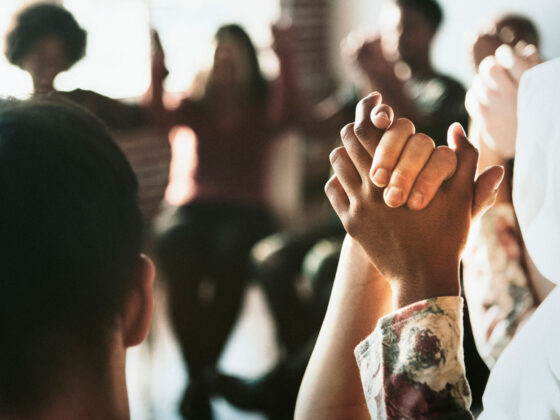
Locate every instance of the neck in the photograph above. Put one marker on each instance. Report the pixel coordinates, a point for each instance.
(42, 88)
(84, 397)
(422, 69)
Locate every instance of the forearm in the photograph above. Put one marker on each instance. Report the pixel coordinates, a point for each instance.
(331, 387)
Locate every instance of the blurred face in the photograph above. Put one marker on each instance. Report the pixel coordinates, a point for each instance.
(406, 34)
(44, 61)
(231, 63)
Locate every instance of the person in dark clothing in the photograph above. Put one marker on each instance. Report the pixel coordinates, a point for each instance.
(76, 289)
(216, 204)
(45, 40)
(397, 64)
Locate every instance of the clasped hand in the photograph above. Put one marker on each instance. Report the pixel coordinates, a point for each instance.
(408, 204)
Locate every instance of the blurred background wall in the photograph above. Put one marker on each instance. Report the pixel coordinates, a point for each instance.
(118, 44)
(461, 17)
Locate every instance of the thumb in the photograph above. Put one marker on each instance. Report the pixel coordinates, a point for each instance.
(467, 156)
(486, 189)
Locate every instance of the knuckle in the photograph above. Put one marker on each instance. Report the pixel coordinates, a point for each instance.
(335, 155)
(427, 185)
(487, 63)
(350, 223)
(369, 101)
(384, 157)
(401, 178)
(422, 141)
(406, 125)
(362, 129)
(347, 130)
(329, 187)
(446, 154)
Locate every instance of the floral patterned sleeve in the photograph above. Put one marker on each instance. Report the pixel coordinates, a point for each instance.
(412, 365)
(495, 282)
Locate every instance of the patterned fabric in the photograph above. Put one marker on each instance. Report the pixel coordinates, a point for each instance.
(412, 365)
(496, 285)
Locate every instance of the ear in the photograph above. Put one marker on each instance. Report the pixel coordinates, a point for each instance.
(139, 309)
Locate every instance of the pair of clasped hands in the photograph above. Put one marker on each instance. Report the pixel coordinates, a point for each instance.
(406, 203)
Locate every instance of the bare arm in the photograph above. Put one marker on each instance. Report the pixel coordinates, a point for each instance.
(331, 387)
(417, 252)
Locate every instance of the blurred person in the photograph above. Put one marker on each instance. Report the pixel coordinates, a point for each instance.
(216, 207)
(502, 285)
(396, 62)
(76, 289)
(45, 40)
(508, 29)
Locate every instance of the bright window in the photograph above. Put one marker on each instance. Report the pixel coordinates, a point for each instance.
(117, 57)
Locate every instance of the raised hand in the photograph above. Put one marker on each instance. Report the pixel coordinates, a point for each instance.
(416, 251)
(283, 37)
(492, 99)
(158, 68)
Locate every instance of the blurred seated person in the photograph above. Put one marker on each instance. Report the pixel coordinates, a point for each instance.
(396, 62)
(45, 40)
(216, 204)
(502, 285)
(76, 289)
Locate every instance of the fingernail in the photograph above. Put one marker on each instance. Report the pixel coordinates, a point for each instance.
(505, 56)
(383, 115)
(460, 130)
(415, 200)
(394, 197)
(380, 177)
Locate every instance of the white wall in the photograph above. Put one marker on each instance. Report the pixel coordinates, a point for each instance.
(118, 50)
(450, 51)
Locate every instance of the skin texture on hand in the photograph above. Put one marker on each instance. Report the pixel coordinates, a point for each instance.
(418, 252)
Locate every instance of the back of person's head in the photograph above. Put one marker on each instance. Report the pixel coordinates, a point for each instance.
(70, 237)
(39, 21)
(429, 9)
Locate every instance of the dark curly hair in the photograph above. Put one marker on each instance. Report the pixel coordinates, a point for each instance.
(38, 21)
(429, 8)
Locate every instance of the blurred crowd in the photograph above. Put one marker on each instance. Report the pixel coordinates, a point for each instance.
(424, 214)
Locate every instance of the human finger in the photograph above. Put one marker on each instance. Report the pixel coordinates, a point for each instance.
(389, 149)
(467, 158)
(382, 116)
(337, 196)
(494, 75)
(474, 108)
(528, 51)
(480, 91)
(359, 156)
(515, 65)
(414, 157)
(368, 134)
(486, 189)
(440, 167)
(344, 170)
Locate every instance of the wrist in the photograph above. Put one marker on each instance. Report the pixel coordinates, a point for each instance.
(421, 287)
(356, 263)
